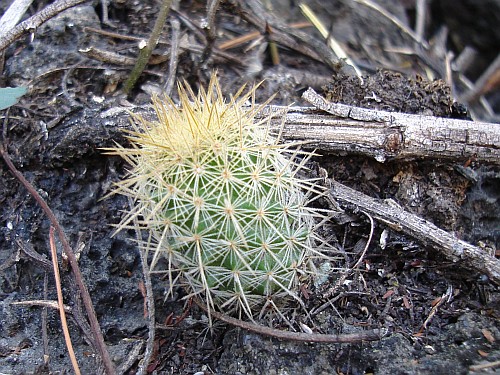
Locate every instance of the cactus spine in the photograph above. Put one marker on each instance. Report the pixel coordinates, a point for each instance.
(220, 198)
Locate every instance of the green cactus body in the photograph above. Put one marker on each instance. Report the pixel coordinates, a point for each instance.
(220, 198)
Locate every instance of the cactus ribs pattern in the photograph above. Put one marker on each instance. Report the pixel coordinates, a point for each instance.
(220, 199)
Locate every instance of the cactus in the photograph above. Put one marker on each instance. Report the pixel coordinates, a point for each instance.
(220, 198)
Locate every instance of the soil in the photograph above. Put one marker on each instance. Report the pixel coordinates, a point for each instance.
(441, 318)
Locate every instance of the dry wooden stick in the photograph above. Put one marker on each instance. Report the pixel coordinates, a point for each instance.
(174, 56)
(254, 12)
(149, 297)
(372, 335)
(488, 81)
(32, 23)
(394, 20)
(386, 135)
(458, 251)
(147, 50)
(60, 303)
(13, 14)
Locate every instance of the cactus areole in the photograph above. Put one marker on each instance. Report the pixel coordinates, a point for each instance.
(220, 198)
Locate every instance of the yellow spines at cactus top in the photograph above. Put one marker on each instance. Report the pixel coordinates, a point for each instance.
(220, 199)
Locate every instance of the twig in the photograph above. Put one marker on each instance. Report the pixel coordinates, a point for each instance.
(458, 251)
(145, 53)
(196, 48)
(28, 250)
(174, 56)
(273, 48)
(210, 31)
(372, 335)
(32, 23)
(45, 337)
(305, 43)
(390, 135)
(421, 10)
(13, 15)
(485, 366)
(115, 35)
(42, 302)
(345, 130)
(150, 301)
(107, 56)
(132, 357)
(87, 301)
(362, 256)
(332, 43)
(394, 20)
(62, 313)
(235, 42)
(489, 80)
(444, 298)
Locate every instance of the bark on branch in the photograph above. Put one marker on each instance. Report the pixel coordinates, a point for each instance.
(387, 135)
(35, 21)
(457, 251)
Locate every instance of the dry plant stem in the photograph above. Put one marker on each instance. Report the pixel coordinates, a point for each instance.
(210, 30)
(487, 82)
(217, 53)
(149, 300)
(13, 14)
(238, 41)
(444, 299)
(332, 43)
(389, 135)
(45, 337)
(30, 252)
(145, 53)
(368, 242)
(457, 251)
(87, 301)
(31, 24)
(372, 335)
(254, 12)
(132, 357)
(485, 366)
(112, 34)
(174, 56)
(43, 303)
(393, 19)
(107, 56)
(62, 313)
(273, 48)
(421, 10)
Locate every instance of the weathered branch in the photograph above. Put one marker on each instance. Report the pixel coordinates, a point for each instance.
(371, 335)
(32, 23)
(452, 248)
(388, 135)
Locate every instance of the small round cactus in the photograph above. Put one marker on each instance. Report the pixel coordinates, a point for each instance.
(220, 198)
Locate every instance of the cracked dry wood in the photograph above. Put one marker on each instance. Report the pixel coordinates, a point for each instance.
(455, 250)
(388, 135)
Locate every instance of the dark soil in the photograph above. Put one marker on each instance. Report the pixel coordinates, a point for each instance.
(441, 318)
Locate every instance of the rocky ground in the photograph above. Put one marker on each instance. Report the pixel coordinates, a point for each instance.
(441, 317)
